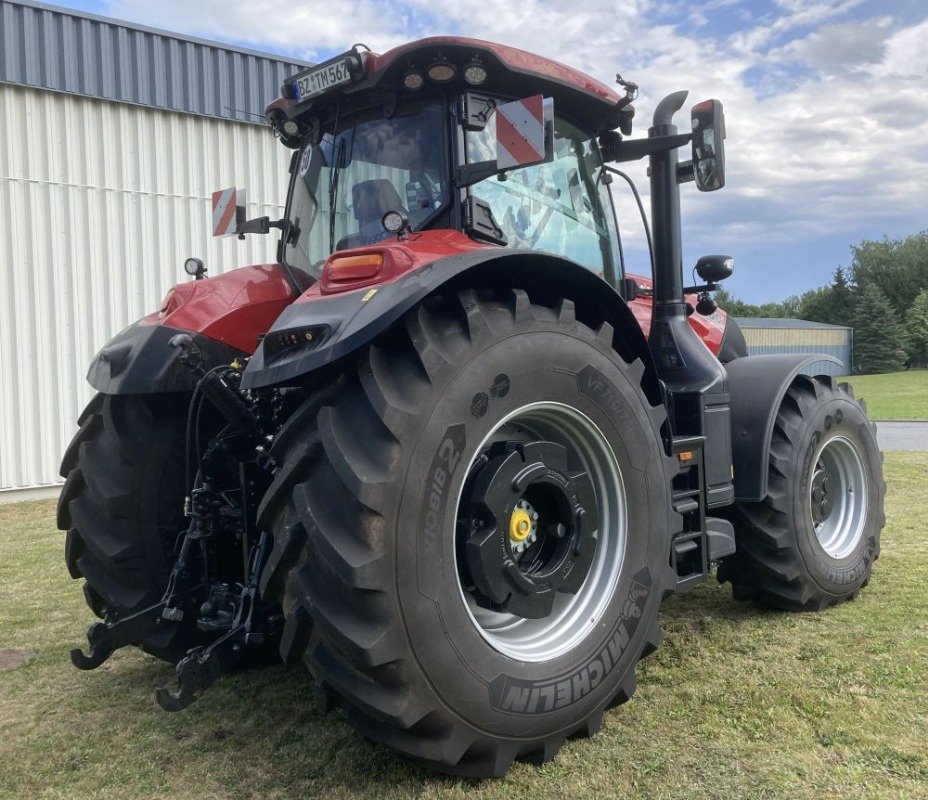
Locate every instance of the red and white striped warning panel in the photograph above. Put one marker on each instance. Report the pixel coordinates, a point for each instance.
(225, 202)
(520, 132)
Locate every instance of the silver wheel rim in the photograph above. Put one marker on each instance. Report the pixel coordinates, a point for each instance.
(536, 640)
(838, 497)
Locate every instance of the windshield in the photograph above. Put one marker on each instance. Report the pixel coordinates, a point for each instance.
(559, 206)
(368, 165)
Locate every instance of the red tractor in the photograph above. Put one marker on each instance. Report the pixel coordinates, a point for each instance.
(444, 451)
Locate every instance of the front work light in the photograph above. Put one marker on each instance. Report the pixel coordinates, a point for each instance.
(475, 73)
(194, 268)
(413, 80)
(441, 72)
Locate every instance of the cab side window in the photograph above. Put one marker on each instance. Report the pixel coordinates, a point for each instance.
(559, 207)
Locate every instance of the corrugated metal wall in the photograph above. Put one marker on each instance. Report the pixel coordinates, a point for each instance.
(100, 202)
(833, 341)
(52, 48)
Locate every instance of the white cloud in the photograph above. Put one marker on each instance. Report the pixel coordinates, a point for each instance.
(826, 100)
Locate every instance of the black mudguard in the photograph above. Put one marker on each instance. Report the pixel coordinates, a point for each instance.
(342, 323)
(139, 360)
(733, 343)
(758, 385)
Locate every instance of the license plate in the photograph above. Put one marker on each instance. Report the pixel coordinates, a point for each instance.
(317, 81)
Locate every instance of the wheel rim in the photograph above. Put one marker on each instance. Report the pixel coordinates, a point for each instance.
(573, 615)
(838, 497)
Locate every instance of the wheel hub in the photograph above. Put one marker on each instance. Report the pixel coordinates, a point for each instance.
(523, 528)
(823, 500)
(533, 527)
(838, 497)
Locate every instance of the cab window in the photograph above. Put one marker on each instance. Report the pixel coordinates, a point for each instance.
(560, 207)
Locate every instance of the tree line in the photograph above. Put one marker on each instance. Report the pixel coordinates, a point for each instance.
(883, 296)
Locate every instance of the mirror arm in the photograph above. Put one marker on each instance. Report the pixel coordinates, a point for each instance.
(705, 287)
(685, 172)
(634, 149)
(262, 225)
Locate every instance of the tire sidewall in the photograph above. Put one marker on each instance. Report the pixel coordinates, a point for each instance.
(541, 362)
(838, 417)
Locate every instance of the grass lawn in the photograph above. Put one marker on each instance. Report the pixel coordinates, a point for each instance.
(896, 395)
(738, 703)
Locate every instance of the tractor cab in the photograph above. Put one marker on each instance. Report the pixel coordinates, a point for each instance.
(447, 134)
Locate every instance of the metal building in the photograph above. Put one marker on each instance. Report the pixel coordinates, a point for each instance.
(112, 138)
(766, 335)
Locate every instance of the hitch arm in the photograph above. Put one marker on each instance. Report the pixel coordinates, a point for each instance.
(203, 666)
(108, 636)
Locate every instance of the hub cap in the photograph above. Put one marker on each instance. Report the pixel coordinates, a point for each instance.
(541, 531)
(838, 497)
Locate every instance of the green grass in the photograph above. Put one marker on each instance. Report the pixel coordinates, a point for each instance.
(896, 395)
(738, 703)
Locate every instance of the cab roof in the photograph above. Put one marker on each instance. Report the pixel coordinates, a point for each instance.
(510, 72)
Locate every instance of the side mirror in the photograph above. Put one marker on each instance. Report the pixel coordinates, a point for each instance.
(524, 136)
(714, 269)
(228, 211)
(631, 289)
(708, 145)
(525, 132)
(229, 218)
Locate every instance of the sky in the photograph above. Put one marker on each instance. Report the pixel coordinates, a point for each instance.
(826, 102)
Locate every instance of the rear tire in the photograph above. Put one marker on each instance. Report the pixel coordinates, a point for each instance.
(364, 514)
(811, 542)
(122, 507)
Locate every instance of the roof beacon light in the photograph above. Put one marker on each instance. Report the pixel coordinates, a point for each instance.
(441, 71)
(475, 73)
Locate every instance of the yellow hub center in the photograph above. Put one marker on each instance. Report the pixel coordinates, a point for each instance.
(520, 525)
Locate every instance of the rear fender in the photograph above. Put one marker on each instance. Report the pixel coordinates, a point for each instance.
(338, 325)
(225, 316)
(758, 385)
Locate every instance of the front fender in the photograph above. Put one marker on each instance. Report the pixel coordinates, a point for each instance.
(338, 325)
(225, 316)
(139, 360)
(758, 385)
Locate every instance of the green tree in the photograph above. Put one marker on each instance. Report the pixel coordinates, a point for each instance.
(898, 266)
(738, 308)
(916, 328)
(832, 304)
(878, 334)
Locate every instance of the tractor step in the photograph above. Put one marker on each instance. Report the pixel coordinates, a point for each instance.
(703, 539)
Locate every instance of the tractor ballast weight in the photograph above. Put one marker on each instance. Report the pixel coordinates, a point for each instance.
(431, 453)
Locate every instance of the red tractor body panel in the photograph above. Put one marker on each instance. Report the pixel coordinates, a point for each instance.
(236, 308)
(239, 307)
(420, 249)
(710, 329)
(399, 258)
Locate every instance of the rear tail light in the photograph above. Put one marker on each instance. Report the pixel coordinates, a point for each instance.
(353, 268)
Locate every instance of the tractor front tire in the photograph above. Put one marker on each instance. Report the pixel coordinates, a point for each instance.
(122, 507)
(371, 532)
(811, 542)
